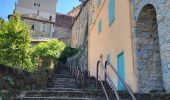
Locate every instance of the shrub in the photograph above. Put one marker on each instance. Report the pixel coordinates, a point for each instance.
(51, 49)
(15, 43)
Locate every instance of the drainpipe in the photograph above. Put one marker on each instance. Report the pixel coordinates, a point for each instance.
(133, 56)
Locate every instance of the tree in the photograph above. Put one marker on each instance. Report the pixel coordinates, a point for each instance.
(15, 43)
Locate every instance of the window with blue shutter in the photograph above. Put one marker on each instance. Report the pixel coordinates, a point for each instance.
(108, 58)
(98, 3)
(111, 11)
(100, 26)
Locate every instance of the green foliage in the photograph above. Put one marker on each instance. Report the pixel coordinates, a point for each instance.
(68, 52)
(15, 43)
(51, 49)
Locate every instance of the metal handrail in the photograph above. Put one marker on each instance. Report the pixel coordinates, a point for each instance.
(120, 78)
(103, 88)
(108, 76)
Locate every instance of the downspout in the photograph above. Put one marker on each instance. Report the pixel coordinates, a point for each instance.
(132, 41)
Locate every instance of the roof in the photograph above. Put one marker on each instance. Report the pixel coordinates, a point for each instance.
(74, 8)
(35, 18)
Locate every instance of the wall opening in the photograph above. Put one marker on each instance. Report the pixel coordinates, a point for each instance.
(147, 49)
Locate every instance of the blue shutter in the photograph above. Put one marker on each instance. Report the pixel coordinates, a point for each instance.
(99, 26)
(98, 3)
(108, 58)
(111, 11)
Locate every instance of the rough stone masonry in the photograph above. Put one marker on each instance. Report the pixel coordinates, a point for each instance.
(151, 39)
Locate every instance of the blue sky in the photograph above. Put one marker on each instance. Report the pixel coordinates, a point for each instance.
(63, 6)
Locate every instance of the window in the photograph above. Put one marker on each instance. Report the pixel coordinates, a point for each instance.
(32, 27)
(98, 3)
(37, 4)
(50, 18)
(43, 27)
(108, 58)
(111, 11)
(38, 13)
(34, 4)
(100, 26)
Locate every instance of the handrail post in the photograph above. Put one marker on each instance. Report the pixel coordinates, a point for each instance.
(106, 69)
(97, 76)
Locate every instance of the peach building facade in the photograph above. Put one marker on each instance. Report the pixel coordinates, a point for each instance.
(109, 39)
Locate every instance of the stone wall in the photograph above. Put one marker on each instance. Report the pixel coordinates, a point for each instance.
(62, 28)
(79, 27)
(80, 40)
(150, 23)
(63, 34)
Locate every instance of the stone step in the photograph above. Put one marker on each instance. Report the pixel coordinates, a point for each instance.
(73, 89)
(68, 74)
(60, 98)
(71, 94)
(62, 89)
(61, 85)
(63, 80)
(54, 98)
(58, 86)
(61, 76)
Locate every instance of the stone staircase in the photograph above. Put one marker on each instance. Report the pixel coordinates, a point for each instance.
(63, 86)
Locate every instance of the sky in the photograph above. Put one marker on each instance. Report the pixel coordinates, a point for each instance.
(63, 6)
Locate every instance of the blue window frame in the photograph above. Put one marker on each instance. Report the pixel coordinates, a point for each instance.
(111, 11)
(98, 3)
(100, 26)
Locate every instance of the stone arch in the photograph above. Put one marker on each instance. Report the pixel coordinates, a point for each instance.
(147, 51)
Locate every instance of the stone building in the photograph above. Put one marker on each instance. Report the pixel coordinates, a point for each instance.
(44, 22)
(39, 16)
(151, 36)
(62, 27)
(133, 35)
(75, 11)
(79, 28)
